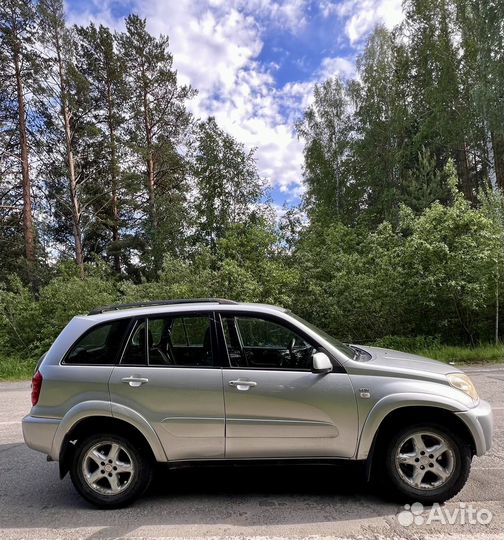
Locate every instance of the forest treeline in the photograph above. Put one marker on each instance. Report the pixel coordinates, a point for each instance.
(111, 190)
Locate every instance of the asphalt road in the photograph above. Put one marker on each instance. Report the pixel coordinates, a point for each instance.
(237, 502)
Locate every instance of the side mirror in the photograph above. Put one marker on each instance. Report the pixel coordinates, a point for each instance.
(321, 363)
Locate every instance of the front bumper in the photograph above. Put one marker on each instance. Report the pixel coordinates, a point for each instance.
(39, 433)
(479, 420)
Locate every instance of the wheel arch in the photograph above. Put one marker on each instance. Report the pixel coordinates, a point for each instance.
(95, 424)
(92, 416)
(404, 408)
(410, 414)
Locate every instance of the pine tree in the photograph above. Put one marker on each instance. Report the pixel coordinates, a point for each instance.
(19, 68)
(482, 68)
(63, 82)
(438, 96)
(382, 126)
(104, 70)
(158, 124)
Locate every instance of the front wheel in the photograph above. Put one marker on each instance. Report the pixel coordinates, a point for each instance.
(427, 463)
(109, 471)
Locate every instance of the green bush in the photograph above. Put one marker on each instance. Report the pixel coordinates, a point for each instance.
(28, 325)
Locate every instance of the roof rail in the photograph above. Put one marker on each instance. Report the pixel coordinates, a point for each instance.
(116, 307)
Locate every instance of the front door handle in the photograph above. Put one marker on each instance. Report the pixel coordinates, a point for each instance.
(242, 385)
(135, 382)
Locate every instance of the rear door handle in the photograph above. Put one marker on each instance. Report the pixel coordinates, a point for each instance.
(242, 385)
(135, 382)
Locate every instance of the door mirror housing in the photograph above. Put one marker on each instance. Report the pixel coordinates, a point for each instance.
(321, 363)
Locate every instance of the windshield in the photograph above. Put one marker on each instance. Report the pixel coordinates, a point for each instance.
(341, 347)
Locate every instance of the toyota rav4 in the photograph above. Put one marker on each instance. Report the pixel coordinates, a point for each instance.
(183, 381)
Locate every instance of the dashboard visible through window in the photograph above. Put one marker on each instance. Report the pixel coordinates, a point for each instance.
(254, 342)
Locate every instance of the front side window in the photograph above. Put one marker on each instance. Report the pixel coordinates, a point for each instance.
(100, 345)
(260, 343)
(171, 341)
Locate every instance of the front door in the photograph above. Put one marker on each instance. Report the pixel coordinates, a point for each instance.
(275, 405)
(168, 374)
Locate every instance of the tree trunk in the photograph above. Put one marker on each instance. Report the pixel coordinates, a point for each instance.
(28, 231)
(72, 178)
(490, 158)
(114, 180)
(464, 173)
(153, 212)
(151, 184)
(74, 194)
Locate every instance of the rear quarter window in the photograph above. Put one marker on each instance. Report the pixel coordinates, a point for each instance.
(100, 345)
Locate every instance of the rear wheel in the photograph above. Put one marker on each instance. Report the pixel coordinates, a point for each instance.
(109, 471)
(427, 463)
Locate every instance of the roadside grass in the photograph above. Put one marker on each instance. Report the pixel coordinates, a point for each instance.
(14, 368)
(481, 354)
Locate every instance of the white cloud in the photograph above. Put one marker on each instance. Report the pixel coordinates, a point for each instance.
(287, 14)
(209, 45)
(337, 66)
(363, 15)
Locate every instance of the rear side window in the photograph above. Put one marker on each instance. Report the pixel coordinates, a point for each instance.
(100, 345)
(178, 341)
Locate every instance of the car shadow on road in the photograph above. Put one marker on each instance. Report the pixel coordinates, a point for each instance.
(261, 479)
(32, 496)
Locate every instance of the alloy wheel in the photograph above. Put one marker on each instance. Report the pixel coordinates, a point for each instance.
(108, 468)
(425, 460)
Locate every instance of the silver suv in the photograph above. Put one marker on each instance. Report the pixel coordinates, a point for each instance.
(214, 380)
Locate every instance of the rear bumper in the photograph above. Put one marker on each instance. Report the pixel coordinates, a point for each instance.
(479, 420)
(39, 433)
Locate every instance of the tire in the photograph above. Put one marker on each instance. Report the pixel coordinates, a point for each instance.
(419, 470)
(110, 471)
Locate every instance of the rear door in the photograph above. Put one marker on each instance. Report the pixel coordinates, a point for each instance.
(275, 406)
(169, 375)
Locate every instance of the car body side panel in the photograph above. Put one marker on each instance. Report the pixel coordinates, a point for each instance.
(290, 414)
(65, 386)
(185, 407)
(379, 390)
(80, 411)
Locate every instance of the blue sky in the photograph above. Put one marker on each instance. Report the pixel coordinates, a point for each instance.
(255, 62)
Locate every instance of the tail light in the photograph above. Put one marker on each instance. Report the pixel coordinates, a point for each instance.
(36, 385)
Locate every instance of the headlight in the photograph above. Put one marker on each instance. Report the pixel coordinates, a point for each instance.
(462, 382)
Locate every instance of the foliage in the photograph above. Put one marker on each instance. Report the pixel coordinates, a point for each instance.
(398, 240)
(479, 354)
(227, 182)
(408, 343)
(30, 325)
(16, 368)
